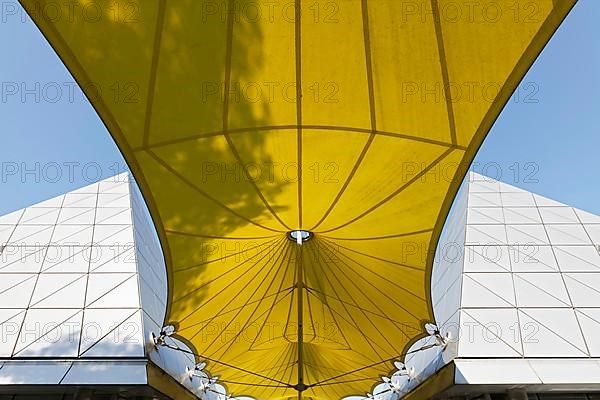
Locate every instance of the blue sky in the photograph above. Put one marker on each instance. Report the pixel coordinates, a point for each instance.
(551, 140)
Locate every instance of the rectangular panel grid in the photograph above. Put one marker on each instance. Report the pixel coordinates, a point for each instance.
(69, 279)
(553, 263)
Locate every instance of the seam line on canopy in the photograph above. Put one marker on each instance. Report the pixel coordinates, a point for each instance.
(298, 51)
(345, 340)
(225, 121)
(312, 319)
(329, 368)
(220, 276)
(356, 325)
(202, 192)
(282, 354)
(288, 292)
(376, 274)
(160, 20)
(230, 311)
(369, 63)
(253, 182)
(383, 237)
(205, 302)
(374, 379)
(373, 257)
(372, 113)
(397, 192)
(426, 347)
(339, 328)
(351, 323)
(313, 291)
(218, 313)
(227, 78)
(291, 304)
(344, 304)
(177, 348)
(291, 369)
(295, 127)
(289, 360)
(344, 288)
(199, 235)
(437, 23)
(277, 265)
(254, 384)
(270, 309)
(224, 257)
(400, 328)
(375, 287)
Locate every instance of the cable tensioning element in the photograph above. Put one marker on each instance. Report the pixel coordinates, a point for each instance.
(226, 364)
(429, 346)
(325, 382)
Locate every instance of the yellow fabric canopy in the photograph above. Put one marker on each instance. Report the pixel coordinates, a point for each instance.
(243, 120)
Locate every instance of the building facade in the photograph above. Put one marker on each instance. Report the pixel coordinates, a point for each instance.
(516, 292)
(83, 288)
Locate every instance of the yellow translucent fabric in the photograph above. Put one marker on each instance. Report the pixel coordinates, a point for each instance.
(243, 120)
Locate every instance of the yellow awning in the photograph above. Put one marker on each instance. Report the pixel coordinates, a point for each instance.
(243, 120)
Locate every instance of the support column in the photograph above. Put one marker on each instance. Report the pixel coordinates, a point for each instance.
(300, 387)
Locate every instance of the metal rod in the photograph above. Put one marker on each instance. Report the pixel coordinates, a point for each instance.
(300, 286)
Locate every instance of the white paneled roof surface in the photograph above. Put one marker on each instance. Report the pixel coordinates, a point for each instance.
(82, 287)
(516, 279)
